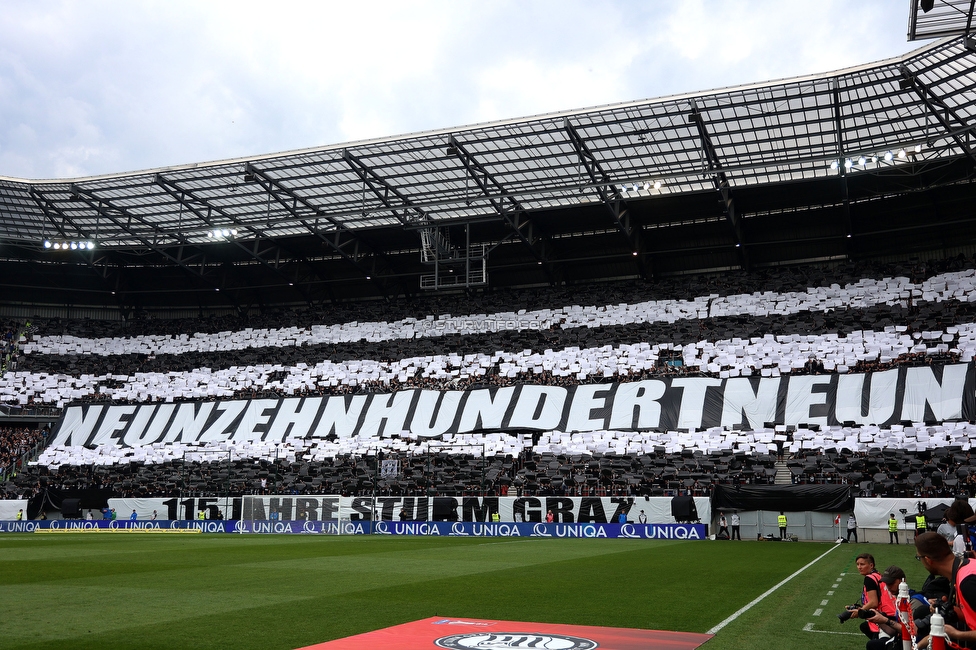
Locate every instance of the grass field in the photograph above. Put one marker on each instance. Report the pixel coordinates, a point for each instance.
(224, 591)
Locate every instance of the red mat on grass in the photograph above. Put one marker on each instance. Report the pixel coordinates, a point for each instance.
(473, 633)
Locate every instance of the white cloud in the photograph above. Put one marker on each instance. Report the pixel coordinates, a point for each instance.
(103, 86)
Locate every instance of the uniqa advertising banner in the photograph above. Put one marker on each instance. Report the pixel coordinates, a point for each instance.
(937, 392)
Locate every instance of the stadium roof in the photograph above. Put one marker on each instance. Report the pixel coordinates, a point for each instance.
(346, 213)
(940, 18)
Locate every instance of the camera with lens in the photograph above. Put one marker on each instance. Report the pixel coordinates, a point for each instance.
(947, 612)
(861, 613)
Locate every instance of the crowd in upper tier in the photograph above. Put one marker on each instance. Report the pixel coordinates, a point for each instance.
(805, 320)
(802, 321)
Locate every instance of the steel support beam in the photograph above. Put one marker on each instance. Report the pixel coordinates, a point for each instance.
(940, 111)
(515, 216)
(99, 205)
(841, 160)
(48, 207)
(720, 181)
(283, 194)
(179, 194)
(609, 195)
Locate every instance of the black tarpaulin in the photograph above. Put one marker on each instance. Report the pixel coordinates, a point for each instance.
(51, 498)
(820, 498)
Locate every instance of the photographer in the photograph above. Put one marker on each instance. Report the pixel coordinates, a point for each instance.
(936, 556)
(889, 624)
(874, 598)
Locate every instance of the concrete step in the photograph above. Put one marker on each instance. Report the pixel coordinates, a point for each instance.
(783, 476)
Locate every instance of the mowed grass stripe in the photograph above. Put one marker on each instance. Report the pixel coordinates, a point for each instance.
(286, 592)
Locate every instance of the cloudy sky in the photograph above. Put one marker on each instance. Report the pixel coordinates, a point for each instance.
(97, 87)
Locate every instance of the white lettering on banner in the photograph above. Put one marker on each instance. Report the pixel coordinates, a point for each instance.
(914, 394)
(77, 424)
(484, 412)
(188, 422)
(636, 406)
(112, 424)
(387, 414)
(340, 418)
(538, 407)
(299, 511)
(922, 389)
(758, 406)
(693, 400)
(586, 400)
(294, 418)
(444, 407)
(806, 399)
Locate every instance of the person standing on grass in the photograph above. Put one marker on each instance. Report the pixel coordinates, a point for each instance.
(852, 528)
(781, 522)
(723, 526)
(920, 523)
(892, 529)
(735, 525)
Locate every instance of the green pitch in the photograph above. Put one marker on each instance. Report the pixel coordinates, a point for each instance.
(264, 592)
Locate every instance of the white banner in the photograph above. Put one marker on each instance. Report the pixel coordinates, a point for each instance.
(476, 509)
(874, 513)
(10, 507)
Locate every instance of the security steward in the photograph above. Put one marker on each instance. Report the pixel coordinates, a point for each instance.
(892, 529)
(781, 522)
(935, 554)
(920, 524)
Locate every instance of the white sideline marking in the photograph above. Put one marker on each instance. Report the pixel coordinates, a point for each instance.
(809, 628)
(818, 612)
(759, 599)
(824, 602)
(835, 585)
(830, 593)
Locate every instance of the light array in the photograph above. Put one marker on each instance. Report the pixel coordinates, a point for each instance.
(69, 245)
(221, 233)
(887, 156)
(645, 186)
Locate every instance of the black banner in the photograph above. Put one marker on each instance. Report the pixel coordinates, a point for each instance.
(793, 498)
(923, 393)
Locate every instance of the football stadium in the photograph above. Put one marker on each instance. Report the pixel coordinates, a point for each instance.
(511, 385)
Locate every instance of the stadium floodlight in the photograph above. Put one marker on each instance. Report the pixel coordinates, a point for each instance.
(901, 153)
(47, 244)
(74, 246)
(834, 164)
(90, 245)
(918, 148)
(888, 156)
(862, 161)
(848, 163)
(657, 185)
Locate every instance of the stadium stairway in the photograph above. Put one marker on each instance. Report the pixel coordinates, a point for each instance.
(783, 476)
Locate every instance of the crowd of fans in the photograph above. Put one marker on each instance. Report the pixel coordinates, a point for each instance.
(924, 331)
(16, 443)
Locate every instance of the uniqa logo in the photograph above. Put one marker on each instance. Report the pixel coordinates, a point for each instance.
(508, 640)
